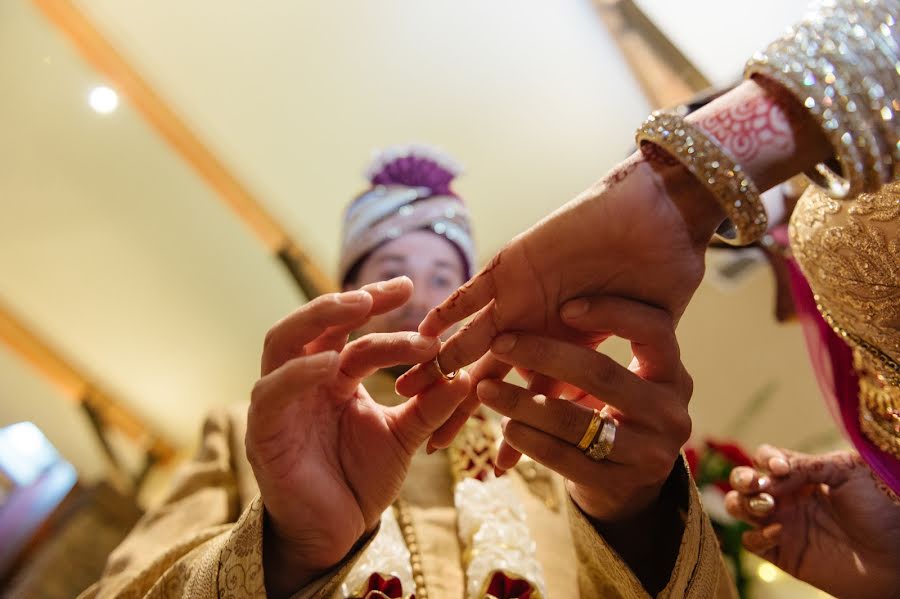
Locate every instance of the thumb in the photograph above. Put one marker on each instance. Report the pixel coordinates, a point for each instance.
(416, 420)
(832, 469)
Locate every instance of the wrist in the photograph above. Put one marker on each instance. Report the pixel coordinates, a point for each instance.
(699, 208)
(286, 568)
(290, 565)
(599, 506)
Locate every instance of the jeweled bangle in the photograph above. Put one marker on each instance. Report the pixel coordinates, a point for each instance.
(868, 32)
(716, 170)
(840, 64)
(818, 96)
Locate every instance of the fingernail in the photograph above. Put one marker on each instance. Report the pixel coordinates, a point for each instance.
(575, 308)
(421, 341)
(763, 482)
(762, 503)
(503, 344)
(487, 389)
(742, 477)
(353, 297)
(779, 466)
(392, 284)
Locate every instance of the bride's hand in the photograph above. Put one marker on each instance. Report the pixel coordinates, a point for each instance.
(824, 519)
(639, 233)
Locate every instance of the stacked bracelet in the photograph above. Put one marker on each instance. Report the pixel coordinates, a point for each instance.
(842, 64)
(715, 169)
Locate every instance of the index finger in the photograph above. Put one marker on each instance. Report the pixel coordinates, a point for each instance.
(288, 338)
(465, 301)
(324, 322)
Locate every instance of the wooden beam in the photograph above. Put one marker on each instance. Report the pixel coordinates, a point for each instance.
(78, 387)
(230, 189)
(666, 76)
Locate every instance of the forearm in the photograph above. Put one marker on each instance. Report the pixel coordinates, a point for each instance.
(765, 130)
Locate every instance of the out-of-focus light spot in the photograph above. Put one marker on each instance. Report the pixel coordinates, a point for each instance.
(103, 99)
(25, 452)
(767, 572)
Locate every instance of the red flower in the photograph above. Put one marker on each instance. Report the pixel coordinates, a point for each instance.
(731, 451)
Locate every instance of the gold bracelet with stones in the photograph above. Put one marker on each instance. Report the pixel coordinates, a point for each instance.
(841, 65)
(733, 189)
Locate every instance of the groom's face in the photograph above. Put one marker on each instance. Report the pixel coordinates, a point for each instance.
(434, 265)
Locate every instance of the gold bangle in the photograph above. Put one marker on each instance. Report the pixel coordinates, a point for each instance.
(715, 169)
(827, 97)
(838, 64)
(596, 421)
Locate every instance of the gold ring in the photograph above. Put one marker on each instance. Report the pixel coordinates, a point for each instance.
(592, 427)
(606, 438)
(446, 377)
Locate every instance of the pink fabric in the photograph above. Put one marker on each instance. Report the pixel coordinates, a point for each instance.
(832, 362)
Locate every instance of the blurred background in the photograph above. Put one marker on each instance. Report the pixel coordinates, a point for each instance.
(172, 180)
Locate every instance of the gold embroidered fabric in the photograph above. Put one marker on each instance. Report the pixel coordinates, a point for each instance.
(850, 254)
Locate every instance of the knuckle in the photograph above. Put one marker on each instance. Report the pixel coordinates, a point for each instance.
(361, 345)
(687, 383)
(681, 427)
(600, 374)
(269, 339)
(567, 417)
(257, 391)
(661, 462)
(510, 398)
(545, 452)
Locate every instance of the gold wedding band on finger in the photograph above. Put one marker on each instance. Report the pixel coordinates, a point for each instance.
(591, 430)
(604, 440)
(445, 376)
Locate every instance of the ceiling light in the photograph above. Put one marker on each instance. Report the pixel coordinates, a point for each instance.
(103, 99)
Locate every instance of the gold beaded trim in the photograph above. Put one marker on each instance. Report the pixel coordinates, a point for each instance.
(879, 414)
(886, 367)
(404, 519)
(879, 388)
(715, 169)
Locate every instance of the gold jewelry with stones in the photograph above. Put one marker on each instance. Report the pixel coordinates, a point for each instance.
(606, 438)
(762, 503)
(841, 63)
(446, 377)
(879, 388)
(591, 431)
(715, 169)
